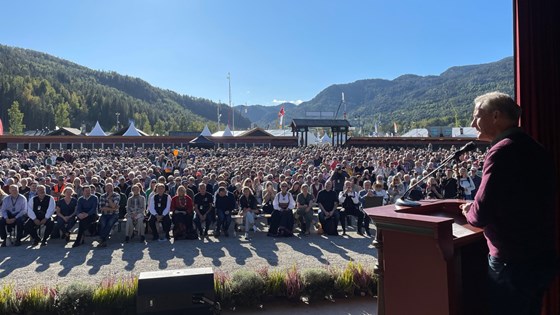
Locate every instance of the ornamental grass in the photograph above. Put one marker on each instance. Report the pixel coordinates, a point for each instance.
(243, 288)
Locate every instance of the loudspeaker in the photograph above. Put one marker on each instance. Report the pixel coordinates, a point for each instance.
(176, 292)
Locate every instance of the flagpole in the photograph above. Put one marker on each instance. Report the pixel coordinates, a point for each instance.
(232, 111)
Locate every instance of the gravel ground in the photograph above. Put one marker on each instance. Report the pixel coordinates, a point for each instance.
(57, 264)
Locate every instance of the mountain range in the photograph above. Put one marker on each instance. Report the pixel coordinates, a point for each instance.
(410, 101)
(54, 92)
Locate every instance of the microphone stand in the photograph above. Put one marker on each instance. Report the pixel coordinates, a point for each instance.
(405, 202)
(460, 192)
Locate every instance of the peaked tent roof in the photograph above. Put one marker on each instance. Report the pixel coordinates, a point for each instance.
(97, 130)
(131, 130)
(227, 132)
(206, 132)
(201, 142)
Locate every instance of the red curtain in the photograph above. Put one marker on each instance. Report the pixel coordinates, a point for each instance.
(537, 90)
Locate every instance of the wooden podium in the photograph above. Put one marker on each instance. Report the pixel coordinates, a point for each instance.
(430, 260)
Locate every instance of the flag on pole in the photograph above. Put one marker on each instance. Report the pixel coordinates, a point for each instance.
(396, 127)
(281, 116)
(1, 127)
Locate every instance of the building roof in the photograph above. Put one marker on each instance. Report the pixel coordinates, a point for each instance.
(255, 132)
(279, 132)
(302, 123)
(65, 131)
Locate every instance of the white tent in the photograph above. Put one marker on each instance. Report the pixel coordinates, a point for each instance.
(326, 139)
(97, 131)
(227, 132)
(132, 131)
(206, 132)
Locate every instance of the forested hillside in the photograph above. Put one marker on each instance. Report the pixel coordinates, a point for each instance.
(54, 92)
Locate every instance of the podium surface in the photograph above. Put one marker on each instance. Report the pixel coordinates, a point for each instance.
(430, 260)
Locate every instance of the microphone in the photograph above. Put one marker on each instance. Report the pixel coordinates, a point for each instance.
(470, 146)
(404, 202)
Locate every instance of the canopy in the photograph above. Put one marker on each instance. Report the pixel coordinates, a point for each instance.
(201, 142)
(132, 131)
(206, 132)
(97, 131)
(227, 132)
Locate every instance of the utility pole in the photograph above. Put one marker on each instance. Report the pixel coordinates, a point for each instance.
(117, 114)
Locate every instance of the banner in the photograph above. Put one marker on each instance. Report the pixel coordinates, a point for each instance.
(1, 128)
(396, 128)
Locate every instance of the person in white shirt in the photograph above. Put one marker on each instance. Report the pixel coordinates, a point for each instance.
(282, 220)
(350, 201)
(159, 205)
(13, 213)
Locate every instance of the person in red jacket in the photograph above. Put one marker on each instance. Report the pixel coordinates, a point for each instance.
(182, 213)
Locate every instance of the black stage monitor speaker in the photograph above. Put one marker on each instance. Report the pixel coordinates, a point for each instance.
(186, 291)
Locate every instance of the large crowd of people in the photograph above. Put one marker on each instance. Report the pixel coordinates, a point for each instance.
(182, 194)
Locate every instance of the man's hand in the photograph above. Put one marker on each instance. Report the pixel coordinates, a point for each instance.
(82, 215)
(43, 221)
(466, 207)
(37, 222)
(10, 221)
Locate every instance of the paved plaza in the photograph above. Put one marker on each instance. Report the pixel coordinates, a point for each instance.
(59, 264)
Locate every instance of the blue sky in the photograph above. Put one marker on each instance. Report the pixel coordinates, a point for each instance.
(286, 50)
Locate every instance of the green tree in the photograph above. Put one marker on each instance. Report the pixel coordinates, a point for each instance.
(159, 128)
(15, 119)
(142, 122)
(62, 115)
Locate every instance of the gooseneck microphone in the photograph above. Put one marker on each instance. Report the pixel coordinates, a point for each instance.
(405, 202)
(470, 146)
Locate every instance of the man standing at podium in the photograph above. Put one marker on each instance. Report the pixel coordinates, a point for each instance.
(518, 226)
